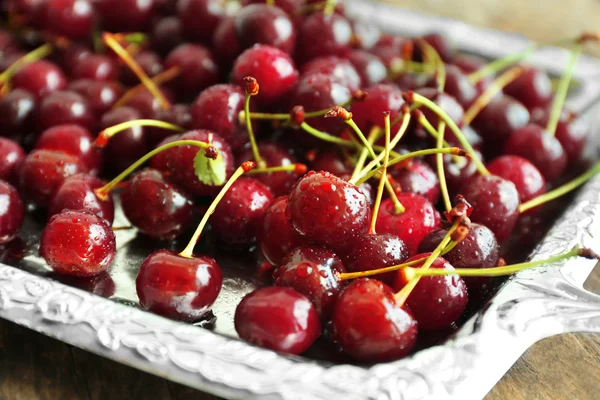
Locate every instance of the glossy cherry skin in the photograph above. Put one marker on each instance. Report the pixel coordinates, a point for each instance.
(527, 178)
(337, 67)
(278, 318)
(149, 61)
(126, 15)
(499, 119)
(178, 287)
(323, 35)
(97, 67)
(225, 42)
(100, 285)
(330, 161)
(76, 193)
(369, 112)
(442, 44)
(447, 103)
(44, 170)
(160, 160)
(327, 210)
(411, 226)
(17, 113)
(197, 65)
(374, 251)
(495, 202)
(370, 68)
(273, 69)
(11, 159)
(533, 88)
(199, 18)
(469, 63)
(100, 96)
(179, 115)
(370, 326)
(71, 18)
(544, 151)
(311, 270)
(217, 109)
(436, 301)
(12, 212)
(128, 145)
(237, 218)
(78, 243)
(147, 104)
(167, 34)
(479, 249)
(456, 171)
(265, 24)
(275, 234)
(65, 107)
(39, 78)
(156, 207)
(72, 139)
(274, 155)
(291, 7)
(418, 177)
(460, 87)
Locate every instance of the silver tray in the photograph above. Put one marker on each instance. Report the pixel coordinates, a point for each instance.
(532, 305)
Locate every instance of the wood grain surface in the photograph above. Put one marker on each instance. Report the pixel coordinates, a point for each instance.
(33, 366)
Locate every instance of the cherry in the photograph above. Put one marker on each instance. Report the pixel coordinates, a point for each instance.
(499, 119)
(217, 109)
(374, 251)
(97, 67)
(275, 234)
(11, 159)
(182, 288)
(330, 161)
(535, 144)
(369, 325)
(479, 249)
(273, 69)
(126, 15)
(447, 103)
(469, 63)
(265, 24)
(418, 177)
(9, 44)
(277, 318)
(71, 18)
(459, 86)
(442, 45)
(337, 67)
(410, 81)
(495, 202)
(160, 160)
(327, 210)
(39, 78)
(149, 61)
(533, 88)
(367, 34)
(17, 113)
(323, 35)
(69, 57)
(527, 178)
(456, 171)
(179, 115)
(65, 107)
(167, 34)
(225, 42)
(436, 301)
(370, 68)
(199, 18)
(99, 96)
(311, 271)
(156, 207)
(76, 193)
(274, 155)
(78, 243)
(44, 170)
(147, 104)
(12, 212)
(369, 112)
(291, 7)
(411, 226)
(197, 65)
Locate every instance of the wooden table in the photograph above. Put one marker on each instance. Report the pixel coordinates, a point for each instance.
(33, 366)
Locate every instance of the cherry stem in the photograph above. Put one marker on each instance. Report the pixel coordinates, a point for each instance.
(122, 228)
(431, 130)
(360, 163)
(439, 158)
(298, 168)
(329, 7)
(255, 153)
(562, 90)
(103, 191)
(386, 159)
(286, 117)
(484, 99)
(158, 79)
(433, 58)
(189, 249)
(561, 190)
(111, 131)
(110, 40)
(399, 66)
(362, 137)
(35, 55)
(418, 99)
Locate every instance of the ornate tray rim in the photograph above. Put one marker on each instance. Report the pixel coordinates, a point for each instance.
(532, 305)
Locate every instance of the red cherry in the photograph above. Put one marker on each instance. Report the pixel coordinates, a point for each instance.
(78, 243)
(533, 88)
(291, 7)
(265, 24)
(97, 67)
(167, 34)
(65, 107)
(129, 145)
(456, 171)
(99, 96)
(336, 67)
(442, 44)
(370, 326)
(149, 61)
(179, 115)
(11, 159)
(147, 104)
(275, 234)
(39, 78)
(17, 113)
(12, 212)
(418, 177)
(278, 318)
(370, 67)
(197, 65)
(76, 193)
(71, 18)
(369, 112)
(160, 160)
(323, 35)
(178, 287)
(199, 18)
(366, 33)
(126, 15)
(469, 63)
(9, 44)
(447, 103)
(225, 42)
(527, 178)
(330, 161)
(459, 86)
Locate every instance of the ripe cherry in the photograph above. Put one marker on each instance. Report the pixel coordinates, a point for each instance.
(447, 103)
(39, 78)
(167, 34)
(17, 113)
(418, 177)
(198, 68)
(76, 193)
(330, 161)
(337, 67)
(456, 170)
(147, 104)
(369, 112)
(527, 178)
(225, 42)
(276, 237)
(179, 115)
(323, 35)
(533, 88)
(369, 67)
(442, 44)
(459, 86)
(126, 15)
(97, 67)
(199, 18)
(278, 318)
(265, 24)
(149, 62)
(99, 96)
(65, 107)
(291, 7)
(71, 18)
(78, 243)
(12, 212)
(11, 159)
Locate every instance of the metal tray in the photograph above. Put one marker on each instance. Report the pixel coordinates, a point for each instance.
(532, 305)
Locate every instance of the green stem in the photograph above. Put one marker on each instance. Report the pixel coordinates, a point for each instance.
(360, 163)
(326, 137)
(255, 153)
(386, 159)
(35, 55)
(362, 138)
(439, 158)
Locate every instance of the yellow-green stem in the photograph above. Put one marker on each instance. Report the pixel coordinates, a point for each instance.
(115, 129)
(268, 170)
(386, 159)
(255, 153)
(362, 158)
(439, 158)
(35, 55)
(158, 80)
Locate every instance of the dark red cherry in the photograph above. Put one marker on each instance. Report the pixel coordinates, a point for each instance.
(72, 139)
(149, 61)
(78, 243)
(225, 42)
(71, 18)
(311, 270)
(323, 35)
(535, 144)
(126, 15)
(366, 33)
(499, 119)
(265, 24)
(39, 78)
(369, 112)
(411, 226)
(11, 159)
(330, 161)
(156, 207)
(275, 234)
(457, 171)
(274, 155)
(328, 210)
(278, 318)
(167, 34)
(97, 67)
(533, 88)
(147, 104)
(337, 67)
(418, 177)
(100, 96)
(69, 57)
(495, 202)
(217, 109)
(374, 251)
(436, 301)
(178, 287)
(469, 63)
(291, 7)
(369, 325)
(9, 44)
(199, 18)
(76, 193)
(44, 170)
(441, 43)
(273, 69)
(17, 113)
(370, 68)
(527, 178)
(479, 249)
(12, 212)
(160, 160)
(179, 115)
(65, 107)
(410, 80)
(447, 103)
(197, 65)
(459, 86)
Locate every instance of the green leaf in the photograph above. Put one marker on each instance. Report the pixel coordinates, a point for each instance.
(210, 172)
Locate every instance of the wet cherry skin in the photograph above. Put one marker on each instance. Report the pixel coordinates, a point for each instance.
(11, 159)
(278, 318)
(527, 178)
(456, 171)
(459, 86)
(167, 34)
(12, 212)
(370, 326)
(337, 67)
(274, 155)
(17, 113)
(78, 243)
(275, 234)
(149, 61)
(323, 35)
(178, 287)
(76, 193)
(265, 24)
(369, 112)
(418, 177)
(71, 18)
(370, 68)
(97, 67)
(39, 78)
(65, 107)
(533, 88)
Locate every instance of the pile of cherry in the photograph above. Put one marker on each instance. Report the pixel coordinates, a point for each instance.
(334, 148)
